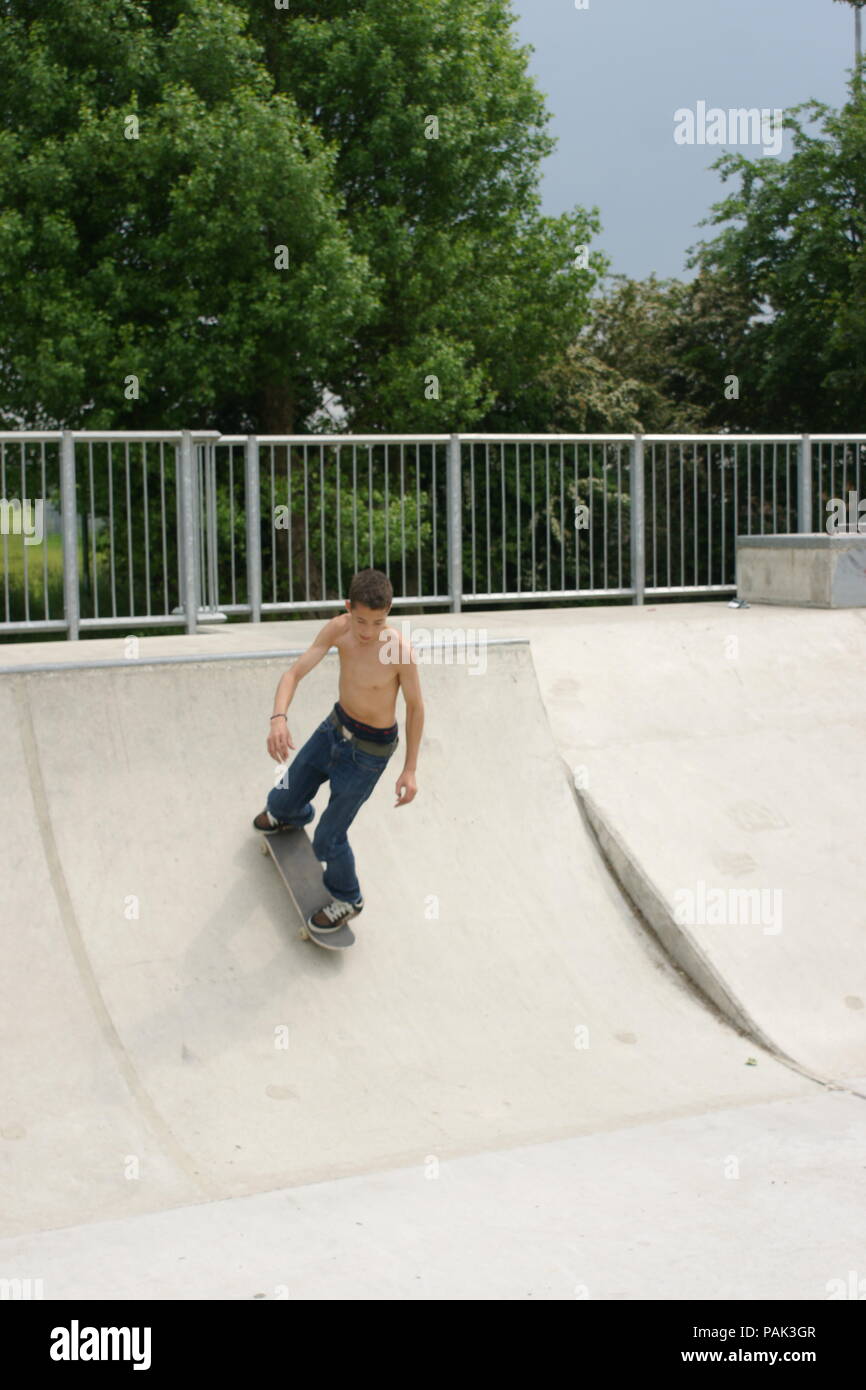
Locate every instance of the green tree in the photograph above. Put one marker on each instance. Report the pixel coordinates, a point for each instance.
(440, 132)
(793, 252)
(651, 358)
(155, 257)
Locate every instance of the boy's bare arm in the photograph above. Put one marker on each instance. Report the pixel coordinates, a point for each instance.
(410, 684)
(279, 737)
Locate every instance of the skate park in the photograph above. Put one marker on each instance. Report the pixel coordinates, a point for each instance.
(528, 1078)
(305, 300)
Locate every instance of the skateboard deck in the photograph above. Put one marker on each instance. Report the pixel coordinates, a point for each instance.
(301, 872)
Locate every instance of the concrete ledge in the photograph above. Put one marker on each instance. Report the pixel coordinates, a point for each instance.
(812, 571)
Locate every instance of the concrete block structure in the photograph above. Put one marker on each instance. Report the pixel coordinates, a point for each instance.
(812, 570)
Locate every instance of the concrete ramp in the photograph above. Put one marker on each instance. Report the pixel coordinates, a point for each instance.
(722, 760)
(168, 1038)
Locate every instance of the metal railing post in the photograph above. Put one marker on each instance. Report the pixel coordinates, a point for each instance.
(211, 527)
(69, 521)
(638, 521)
(253, 527)
(187, 540)
(455, 525)
(804, 483)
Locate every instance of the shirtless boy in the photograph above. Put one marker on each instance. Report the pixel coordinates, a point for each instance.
(352, 746)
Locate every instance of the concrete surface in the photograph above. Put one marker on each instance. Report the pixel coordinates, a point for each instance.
(760, 1201)
(170, 1041)
(727, 748)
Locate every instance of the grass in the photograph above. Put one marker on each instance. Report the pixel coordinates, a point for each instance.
(44, 561)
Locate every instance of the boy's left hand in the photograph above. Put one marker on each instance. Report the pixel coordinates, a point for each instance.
(407, 789)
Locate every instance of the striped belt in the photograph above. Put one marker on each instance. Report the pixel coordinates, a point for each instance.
(366, 745)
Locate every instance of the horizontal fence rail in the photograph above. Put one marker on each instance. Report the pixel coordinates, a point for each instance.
(171, 529)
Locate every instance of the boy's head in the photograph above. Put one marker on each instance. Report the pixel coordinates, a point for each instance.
(370, 597)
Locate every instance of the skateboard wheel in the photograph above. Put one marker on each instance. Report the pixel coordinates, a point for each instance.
(304, 934)
(263, 847)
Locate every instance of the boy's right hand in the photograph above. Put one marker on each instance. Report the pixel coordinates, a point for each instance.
(280, 740)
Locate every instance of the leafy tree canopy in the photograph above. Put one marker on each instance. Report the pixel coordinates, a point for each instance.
(154, 157)
(793, 247)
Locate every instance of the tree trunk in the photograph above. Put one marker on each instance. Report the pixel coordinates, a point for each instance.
(276, 409)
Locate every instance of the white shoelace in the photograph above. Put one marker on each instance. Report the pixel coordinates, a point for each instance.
(335, 910)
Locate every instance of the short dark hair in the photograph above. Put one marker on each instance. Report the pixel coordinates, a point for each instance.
(372, 588)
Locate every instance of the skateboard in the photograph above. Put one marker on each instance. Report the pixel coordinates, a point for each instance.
(301, 872)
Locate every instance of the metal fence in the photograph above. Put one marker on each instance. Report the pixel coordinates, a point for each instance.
(106, 529)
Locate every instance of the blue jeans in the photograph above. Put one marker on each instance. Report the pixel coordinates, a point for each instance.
(353, 774)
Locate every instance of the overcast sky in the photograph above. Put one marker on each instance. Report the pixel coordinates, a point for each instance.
(615, 73)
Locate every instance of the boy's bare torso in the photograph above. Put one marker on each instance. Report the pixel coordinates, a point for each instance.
(369, 683)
